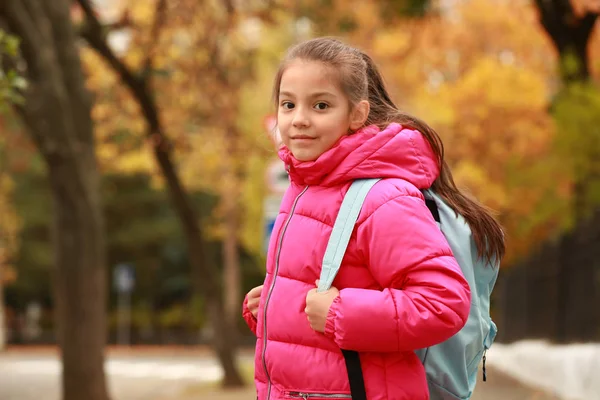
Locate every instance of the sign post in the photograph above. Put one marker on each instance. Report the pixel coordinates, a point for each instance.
(124, 282)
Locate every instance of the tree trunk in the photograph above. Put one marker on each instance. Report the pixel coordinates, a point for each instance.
(2, 319)
(230, 197)
(205, 276)
(231, 257)
(570, 35)
(223, 344)
(57, 113)
(79, 281)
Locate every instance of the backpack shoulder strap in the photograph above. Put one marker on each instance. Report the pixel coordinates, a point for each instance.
(342, 230)
(432, 205)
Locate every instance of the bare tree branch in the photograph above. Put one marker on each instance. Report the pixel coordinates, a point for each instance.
(229, 6)
(93, 33)
(160, 17)
(217, 34)
(90, 14)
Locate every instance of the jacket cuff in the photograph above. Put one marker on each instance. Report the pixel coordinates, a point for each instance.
(331, 316)
(248, 317)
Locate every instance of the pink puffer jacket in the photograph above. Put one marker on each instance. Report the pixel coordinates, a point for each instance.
(400, 287)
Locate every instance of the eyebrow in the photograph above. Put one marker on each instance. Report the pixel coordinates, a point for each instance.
(313, 95)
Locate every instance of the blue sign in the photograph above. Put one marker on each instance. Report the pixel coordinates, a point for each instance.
(270, 211)
(124, 278)
(270, 223)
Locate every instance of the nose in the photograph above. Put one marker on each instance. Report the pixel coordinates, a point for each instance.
(300, 119)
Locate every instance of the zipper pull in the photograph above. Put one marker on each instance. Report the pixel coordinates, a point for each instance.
(484, 373)
(305, 396)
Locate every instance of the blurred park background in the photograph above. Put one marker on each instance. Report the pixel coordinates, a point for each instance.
(138, 184)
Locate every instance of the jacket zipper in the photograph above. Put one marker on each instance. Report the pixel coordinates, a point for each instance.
(306, 396)
(278, 253)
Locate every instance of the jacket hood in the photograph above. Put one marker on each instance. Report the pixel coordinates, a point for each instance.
(394, 152)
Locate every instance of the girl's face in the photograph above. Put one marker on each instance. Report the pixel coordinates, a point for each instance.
(313, 112)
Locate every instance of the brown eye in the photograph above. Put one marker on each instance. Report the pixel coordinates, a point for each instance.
(288, 105)
(321, 106)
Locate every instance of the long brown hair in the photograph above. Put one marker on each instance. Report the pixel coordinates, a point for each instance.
(360, 79)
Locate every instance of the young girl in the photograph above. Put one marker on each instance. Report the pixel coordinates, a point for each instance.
(399, 288)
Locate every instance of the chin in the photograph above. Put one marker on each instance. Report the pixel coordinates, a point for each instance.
(302, 155)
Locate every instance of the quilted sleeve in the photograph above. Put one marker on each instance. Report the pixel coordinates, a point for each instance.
(425, 298)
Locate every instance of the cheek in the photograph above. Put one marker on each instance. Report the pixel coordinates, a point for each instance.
(284, 118)
(337, 127)
(283, 123)
(284, 133)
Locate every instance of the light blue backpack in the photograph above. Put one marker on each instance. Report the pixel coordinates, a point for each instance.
(451, 366)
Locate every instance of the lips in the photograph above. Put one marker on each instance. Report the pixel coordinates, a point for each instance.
(302, 137)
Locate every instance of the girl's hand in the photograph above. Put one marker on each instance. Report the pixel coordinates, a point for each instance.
(253, 299)
(317, 307)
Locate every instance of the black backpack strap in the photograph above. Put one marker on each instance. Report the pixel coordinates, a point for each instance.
(355, 375)
(433, 209)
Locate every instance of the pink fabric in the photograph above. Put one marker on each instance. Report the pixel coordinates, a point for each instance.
(400, 287)
(248, 317)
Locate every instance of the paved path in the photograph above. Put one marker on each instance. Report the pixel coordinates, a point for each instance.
(137, 375)
(173, 374)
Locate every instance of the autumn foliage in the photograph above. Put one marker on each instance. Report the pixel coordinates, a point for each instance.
(483, 73)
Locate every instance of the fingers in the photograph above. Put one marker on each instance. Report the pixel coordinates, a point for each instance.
(253, 306)
(254, 299)
(255, 292)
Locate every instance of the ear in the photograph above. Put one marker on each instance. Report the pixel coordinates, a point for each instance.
(359, 115)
